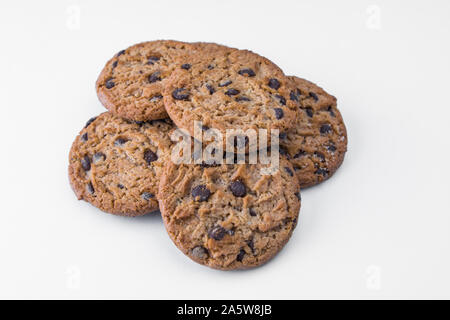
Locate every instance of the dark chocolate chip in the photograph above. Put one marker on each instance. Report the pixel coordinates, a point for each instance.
(231, 232)
(325, 128)
(99, 156)
(298, 195)
(282, 135)
(150, 156)
(84, 137)
(152, 59)
(309, 111)
(156, 98)
(314, 96)
(180, 94)
(200, 193)
(109, 83)
(120, 186)
(210, 88)
(90, 188)
(210, 67)
(240, 256)
(247, 72)
(295, 94)
(147, 196)
(86, 163)
(330, 110)
(284, 152)
(242, 98)
(289, 171)
(299, 154)
(252, 212)
(120, 141)
(251, 245)
(281, 99)
(200, 252)
(322, 171)
(319, 155)
(331, 148)
(225, 83)
(121, 52)
(114, 65)
(238, 189)
(186, 66)
(232, 92)
(154, 77)
(278, 113)
(217, 233)
(90, 121)
(274, 83)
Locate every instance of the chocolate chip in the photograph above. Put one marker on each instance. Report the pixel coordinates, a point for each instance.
(240, 256)
(90, 121)
(120, 186)
(86, 163)
(284, 152)
(247, 72)
(309, 111)
(152, 59)
(282, 135)
(252, 212)
(217, 233)
(200, 193)
(295, 94)
(156, 98)
(178, 94)
(231, 232)
(325, 128)
(238, 189)
(331, 148)
(330, 110)
(150, 156)
(109, 83)
(242, 98)
(232, 92)
(90, 188)
(120, 141)
(274, 83)
(114, 65)
(319, 155)
(186, 66)
(251, 245)
(147, 196)
(297, 194)
(314, 96)
(225, 83)
(278, 113)
(210, 88)
(281, 99)
(99, 156)
(200, 252)
(154, 77)
(299, 154)
(322, 171)
(84, 137)
(121, 52)
(289, 171)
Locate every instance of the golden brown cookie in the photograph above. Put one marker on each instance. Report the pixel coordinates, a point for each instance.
(115, 164)
(228, 88)
(316, 146)
(229, 216)
(131, 83)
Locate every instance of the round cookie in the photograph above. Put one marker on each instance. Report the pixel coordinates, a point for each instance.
(317, 145)
(231, 89)
(115, 164)
(229, 216)
(131, 83)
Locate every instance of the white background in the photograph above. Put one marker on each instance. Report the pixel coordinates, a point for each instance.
(380, 228)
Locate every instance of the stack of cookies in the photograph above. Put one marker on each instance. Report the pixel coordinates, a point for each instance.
(223, 214)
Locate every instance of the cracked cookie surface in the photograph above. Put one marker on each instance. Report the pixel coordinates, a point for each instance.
(131, 83)
(317, 145)
(231, 89)
(115, 164)
(229, 216)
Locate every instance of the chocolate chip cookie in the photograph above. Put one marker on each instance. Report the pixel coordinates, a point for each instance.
(231, 89)
(131, 83)
(317, 145)
(115, 164)
(229, 216)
